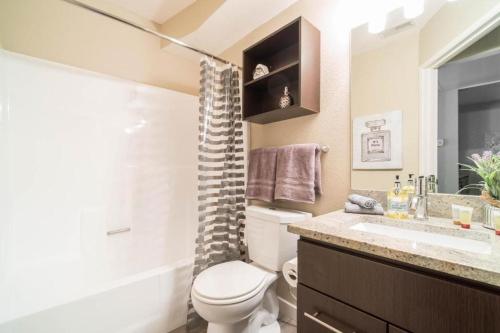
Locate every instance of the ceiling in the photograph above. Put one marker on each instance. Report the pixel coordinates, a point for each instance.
(238, 17)
(155, 10)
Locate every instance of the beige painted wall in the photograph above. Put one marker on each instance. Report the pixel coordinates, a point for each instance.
(449, 22)
(59, 32)
(332, 125)
(382, 80)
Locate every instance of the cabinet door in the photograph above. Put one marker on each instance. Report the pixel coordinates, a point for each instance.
(318, 313)
(394, 329)
(416, 301)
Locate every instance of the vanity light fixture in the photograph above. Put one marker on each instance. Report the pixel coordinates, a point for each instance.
(377, 24)
(413, 8)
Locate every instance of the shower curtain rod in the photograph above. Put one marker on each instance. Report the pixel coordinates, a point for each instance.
(152, 32)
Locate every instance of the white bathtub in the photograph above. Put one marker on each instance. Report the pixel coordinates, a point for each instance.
(83, 154)
(150, 302)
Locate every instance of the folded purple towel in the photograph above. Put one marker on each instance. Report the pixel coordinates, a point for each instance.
(261, 174)
(298, 173)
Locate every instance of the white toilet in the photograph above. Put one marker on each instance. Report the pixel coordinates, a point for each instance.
(236, 297)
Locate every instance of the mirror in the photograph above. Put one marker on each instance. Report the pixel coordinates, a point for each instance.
(432, 91)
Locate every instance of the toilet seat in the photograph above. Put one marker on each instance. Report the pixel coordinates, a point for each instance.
(229, 283)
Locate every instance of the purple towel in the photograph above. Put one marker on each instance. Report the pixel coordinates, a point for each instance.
(298, 173)
(261, 174)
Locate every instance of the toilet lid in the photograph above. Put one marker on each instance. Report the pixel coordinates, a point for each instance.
(228, 281)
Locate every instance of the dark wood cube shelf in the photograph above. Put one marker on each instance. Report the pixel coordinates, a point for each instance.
(292, 55)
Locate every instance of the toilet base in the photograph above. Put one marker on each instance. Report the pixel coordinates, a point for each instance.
(273, 328)
(242, 327)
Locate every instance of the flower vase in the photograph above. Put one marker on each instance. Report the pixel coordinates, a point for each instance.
(491, 205)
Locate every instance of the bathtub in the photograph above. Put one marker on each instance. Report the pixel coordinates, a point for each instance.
(150, 302)
(68, 187)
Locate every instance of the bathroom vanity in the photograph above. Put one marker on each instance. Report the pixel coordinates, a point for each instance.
(373, 274)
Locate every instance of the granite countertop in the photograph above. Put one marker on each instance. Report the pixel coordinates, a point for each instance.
(482, 266)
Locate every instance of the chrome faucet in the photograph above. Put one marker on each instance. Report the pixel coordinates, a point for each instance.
(419, 203)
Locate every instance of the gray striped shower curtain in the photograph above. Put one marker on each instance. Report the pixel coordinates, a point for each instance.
(221, 172)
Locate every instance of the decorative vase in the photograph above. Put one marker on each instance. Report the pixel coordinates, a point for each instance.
(286, 100)
(260, 70)
(491, 205)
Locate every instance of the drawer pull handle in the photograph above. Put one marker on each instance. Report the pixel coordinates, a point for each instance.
(314, 317)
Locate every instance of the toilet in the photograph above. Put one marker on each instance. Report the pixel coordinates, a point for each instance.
(236, 297)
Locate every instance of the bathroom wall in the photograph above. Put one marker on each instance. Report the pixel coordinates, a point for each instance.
(60, 32)
(385, 79)
(332, 125)
(449, 22)
(82, 154)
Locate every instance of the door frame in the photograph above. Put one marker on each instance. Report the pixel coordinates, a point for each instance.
(428, 77)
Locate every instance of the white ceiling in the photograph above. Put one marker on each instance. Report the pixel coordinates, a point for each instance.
(155, 10)
(232, 21)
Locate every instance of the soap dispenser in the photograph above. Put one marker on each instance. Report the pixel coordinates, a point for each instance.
(397, 201)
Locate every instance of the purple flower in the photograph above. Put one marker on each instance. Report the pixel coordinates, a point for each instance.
(487, 154)
(476, 157)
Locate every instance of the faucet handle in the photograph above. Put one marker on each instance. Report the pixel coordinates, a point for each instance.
(421, 189)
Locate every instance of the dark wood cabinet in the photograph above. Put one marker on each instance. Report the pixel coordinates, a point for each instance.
(407, 300)
(394, 329)
(292, 55)
(321, 313)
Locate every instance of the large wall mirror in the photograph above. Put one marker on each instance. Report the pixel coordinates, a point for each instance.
(441, 72)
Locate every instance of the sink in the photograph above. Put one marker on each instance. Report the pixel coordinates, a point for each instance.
(425, 237)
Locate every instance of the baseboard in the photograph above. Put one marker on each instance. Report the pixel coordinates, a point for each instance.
(288, 311)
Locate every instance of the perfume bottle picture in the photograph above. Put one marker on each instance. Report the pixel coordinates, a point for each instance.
(376, 144)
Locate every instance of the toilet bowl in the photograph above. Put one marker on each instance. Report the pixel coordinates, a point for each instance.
(236, 297)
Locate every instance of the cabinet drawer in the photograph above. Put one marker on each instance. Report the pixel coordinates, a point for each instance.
(318, 313)
(394, 329)
(415, 301)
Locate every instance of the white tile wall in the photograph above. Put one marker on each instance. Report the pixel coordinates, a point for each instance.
(80, 154)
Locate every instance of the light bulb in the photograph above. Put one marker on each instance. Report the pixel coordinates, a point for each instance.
(413, 8)
(377, 24)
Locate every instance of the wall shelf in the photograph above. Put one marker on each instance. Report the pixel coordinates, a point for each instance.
(293, 56)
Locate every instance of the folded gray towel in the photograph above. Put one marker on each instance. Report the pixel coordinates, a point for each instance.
(353, 208)
(362, 201)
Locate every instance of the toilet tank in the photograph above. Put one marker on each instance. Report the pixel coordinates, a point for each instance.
(269, 244)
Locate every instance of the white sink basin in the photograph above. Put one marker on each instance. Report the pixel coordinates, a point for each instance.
(452, 242)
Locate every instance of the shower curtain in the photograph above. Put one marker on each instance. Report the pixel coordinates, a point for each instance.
(221, 173)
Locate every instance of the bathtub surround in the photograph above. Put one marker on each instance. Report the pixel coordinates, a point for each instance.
(81, 152)
(221, 174)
